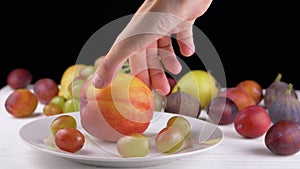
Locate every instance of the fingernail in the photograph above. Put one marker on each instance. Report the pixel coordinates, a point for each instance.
(97, 81)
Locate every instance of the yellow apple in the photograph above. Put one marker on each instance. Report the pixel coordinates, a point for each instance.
(200, 84)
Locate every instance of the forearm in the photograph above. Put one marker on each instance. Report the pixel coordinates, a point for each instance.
(185, 9)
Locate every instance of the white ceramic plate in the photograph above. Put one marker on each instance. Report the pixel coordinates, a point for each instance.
(204, 136)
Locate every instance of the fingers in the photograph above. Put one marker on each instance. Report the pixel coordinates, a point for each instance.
(117, 55)
(156, 71)
(136, 37)
(147, 67)
(115, 58)
(159, 81)
(168, 56)
(185, 41)
(139, 68)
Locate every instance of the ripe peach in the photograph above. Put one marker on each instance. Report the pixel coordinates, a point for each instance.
(241, 98)
(253, 88)
(21, 103)
(126, 106)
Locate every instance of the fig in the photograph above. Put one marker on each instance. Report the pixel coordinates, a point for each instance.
(222, 110)
(275, 89)
(285, 107)
(183, 103)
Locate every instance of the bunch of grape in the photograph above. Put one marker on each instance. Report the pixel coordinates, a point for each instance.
(59, 104)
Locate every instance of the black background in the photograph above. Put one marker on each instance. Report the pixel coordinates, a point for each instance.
(255, 40)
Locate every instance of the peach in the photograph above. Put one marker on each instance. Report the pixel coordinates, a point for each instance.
(125, 106)
(253, 88)
(21, 103)
(240, 97)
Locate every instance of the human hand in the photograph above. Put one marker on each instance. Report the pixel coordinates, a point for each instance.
(147, 43)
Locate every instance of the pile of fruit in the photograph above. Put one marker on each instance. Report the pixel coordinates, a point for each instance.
(56, 98)
(122, 111)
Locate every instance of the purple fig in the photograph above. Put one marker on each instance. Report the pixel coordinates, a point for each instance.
(276, 89)
(183, 103)
(285, 107)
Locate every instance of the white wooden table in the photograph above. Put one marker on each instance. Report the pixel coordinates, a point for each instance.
(235, 152)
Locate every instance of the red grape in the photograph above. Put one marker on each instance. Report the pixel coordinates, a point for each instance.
(21, 103)
(19, 78)
(45, 89)
(69, 139)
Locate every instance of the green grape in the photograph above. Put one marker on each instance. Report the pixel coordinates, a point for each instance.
(87, 71)
(52, 109)
(126, 67)
(182, 123)
(169, 140)
(134, 145)
(62, 121)
(160, 101)
(75, 87)
(59, 100)
(71, 105)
